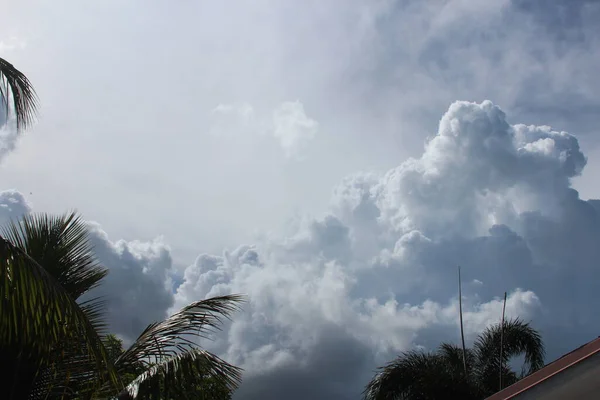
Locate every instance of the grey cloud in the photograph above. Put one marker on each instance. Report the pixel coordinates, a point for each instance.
(532, 57)
(346, 359)
(565, 20)
(138, 288)
(13, 205)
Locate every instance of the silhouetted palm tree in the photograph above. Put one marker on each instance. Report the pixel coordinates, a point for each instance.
(418, 375)
(172, 365)
(50, 344)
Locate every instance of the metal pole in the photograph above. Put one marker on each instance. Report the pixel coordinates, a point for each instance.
(502, 340)
(462, 332)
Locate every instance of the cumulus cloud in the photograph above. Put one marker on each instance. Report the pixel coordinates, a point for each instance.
(289, 124)
(138, 288)
(13, 205)
(341, 293)
(378, 271)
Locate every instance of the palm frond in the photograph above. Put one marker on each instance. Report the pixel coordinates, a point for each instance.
(175, 334)
(440, 375)
(419, 375)
(180, 375)
(519, 338)
(453, 355)
(15, 86)
(95, 311)
(37, 315)
(61, 244)
(70, 371)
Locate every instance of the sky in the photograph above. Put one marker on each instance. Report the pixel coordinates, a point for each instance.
(334, 161)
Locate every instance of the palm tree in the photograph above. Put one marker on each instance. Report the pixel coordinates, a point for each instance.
(74, 362)
(15, 88)
(41, 324)
(172, 365)
(207, 388)
(418, 375)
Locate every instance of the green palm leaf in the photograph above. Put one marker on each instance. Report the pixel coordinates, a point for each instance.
(73, 359)
(36, 315)
(175, 334)
(164, 345)
(15, 86)
(61, 245)
(177, 376)
(418, 375)
(519, 338)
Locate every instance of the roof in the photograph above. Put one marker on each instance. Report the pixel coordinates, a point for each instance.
(550, 370)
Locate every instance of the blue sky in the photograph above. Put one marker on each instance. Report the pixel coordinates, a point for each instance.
(313, 156)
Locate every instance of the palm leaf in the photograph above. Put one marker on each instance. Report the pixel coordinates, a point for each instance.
(176, 333)
(453, 355)
(61, 244)
(15, 85)
(175, 375)
(71, 370)
(163, 345)
(95, 311)
(36, 315)
(519, 338)
(419, 375)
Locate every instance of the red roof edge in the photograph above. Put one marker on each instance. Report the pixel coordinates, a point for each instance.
(555, 367)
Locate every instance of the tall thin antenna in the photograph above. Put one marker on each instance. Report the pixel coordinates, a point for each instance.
(502, 339)
(462, 332)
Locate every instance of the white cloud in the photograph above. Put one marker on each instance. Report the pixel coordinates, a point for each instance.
(10, 44)
(289, 124)
(230, 119)
(293, 127)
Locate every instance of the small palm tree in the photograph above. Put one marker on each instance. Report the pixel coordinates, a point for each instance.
(171, 364)
(17, 94)
(48, 342)
(441, 375)
(70, 360)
